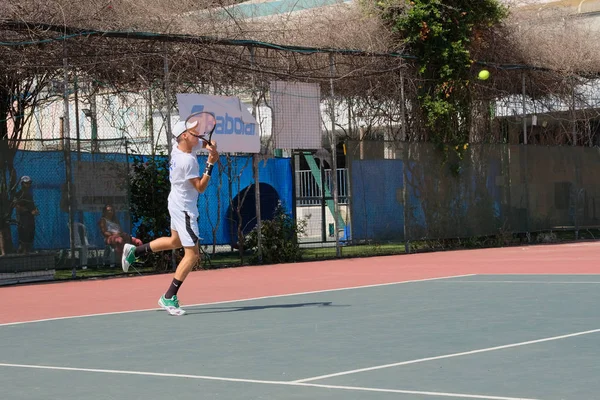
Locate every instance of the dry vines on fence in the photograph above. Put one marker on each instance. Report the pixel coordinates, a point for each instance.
(123, 45)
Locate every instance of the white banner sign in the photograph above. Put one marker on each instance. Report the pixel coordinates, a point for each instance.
(236, 130)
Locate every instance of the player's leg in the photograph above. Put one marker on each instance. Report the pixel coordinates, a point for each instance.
(186, 225)
(190, 258)
(169, 300)
(166, 243)
(132, 253)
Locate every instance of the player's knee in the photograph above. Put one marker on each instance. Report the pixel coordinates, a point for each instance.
(196, 253)
(192, 256)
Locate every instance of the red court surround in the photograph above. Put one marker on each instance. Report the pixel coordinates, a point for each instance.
(63, 299)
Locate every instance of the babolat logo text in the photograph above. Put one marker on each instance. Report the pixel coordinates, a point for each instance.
(228, 125)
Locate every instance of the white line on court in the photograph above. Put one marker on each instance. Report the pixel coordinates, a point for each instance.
(464, 353)
(543, 274)
(537, 282)
(264, 382)
(591, 244)
(438, 394)
(240, 300)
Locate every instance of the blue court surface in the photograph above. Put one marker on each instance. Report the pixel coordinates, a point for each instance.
(465, 337)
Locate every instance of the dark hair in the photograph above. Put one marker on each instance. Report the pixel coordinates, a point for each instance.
(105, 209)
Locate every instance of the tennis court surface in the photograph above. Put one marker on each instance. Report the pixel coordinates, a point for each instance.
(514, 323)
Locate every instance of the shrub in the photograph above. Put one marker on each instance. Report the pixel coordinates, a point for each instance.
(149, 191)
(279, 239)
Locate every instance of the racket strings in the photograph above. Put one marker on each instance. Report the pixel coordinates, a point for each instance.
(204, 122)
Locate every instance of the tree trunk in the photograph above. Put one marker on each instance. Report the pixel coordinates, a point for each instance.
(7, 170)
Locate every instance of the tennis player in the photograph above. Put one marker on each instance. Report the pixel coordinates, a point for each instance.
(186, 183)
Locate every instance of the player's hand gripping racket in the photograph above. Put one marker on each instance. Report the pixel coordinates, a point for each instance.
(203, 125)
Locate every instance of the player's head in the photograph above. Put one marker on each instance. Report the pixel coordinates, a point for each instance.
(181, 127)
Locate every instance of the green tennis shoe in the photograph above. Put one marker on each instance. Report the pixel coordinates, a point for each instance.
(171, 305)
(128, 257)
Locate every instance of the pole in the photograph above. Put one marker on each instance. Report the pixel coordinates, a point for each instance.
(128, 169)
(405, 157)
(94, 120)
(524, 110)
(334, 186)
(255, 161)
(323, 202)
(151, 122)
(167, 90)
(77, 133)
(67, 154)
(78, 138)
(525, 169)
(573, 114)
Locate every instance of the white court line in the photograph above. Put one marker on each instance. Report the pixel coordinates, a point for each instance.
(543, 274)
(539, 282)
(438, 394)
(589, 244)
(464, 353)
(240, 300)
(264, 382)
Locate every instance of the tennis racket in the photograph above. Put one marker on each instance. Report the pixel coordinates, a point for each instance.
(204, 124)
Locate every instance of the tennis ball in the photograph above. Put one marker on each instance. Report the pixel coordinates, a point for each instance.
(484, 74)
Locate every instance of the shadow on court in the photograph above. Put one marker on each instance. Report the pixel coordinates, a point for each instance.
(210, 310)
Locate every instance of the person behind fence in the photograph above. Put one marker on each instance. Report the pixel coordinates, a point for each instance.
(186, 183)
(26, 212)
(112, 233)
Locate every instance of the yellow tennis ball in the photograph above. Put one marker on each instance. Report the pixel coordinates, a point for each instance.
(484, 74)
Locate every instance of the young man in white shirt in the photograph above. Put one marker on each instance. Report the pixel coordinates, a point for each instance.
(186, 183)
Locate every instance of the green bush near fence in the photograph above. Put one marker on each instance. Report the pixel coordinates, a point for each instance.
(150, 188)
(279, 239)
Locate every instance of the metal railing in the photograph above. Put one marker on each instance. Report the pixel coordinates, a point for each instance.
(309, 188)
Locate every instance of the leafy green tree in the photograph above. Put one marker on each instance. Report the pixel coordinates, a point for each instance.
(149, 191)
(440, 34)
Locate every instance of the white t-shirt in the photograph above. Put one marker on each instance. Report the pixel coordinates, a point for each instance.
(183, 195)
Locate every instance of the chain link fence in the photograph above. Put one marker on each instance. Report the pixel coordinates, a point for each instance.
(73, 182)
(394, 192)
(417, 192)
(117, 90)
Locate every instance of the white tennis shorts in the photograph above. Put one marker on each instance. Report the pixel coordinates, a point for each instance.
(186, 225)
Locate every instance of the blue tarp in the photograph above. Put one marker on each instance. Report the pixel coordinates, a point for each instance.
(47, 170)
